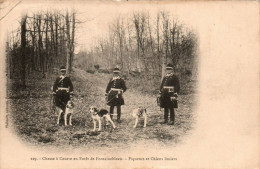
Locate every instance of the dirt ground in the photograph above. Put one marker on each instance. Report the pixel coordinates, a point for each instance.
(35, 123)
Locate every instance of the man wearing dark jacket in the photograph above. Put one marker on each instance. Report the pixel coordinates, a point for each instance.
(169, 90)
(114, 91)
(62, 90)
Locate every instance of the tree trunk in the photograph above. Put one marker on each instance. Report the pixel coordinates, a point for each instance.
(72, 42)
(68, 43)
(40, 44)
(23, 48)
(46, 46)
(56, 36)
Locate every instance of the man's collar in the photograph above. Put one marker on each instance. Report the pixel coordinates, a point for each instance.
(117, 77)
(169, 74)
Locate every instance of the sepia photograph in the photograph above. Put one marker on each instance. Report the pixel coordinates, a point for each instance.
(118, 90)
(129, 84)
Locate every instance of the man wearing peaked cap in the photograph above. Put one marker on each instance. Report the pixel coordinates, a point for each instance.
(62, 89)
(169, 90)
(114, 91)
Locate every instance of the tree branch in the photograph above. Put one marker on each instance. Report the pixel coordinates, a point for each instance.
(10, 10)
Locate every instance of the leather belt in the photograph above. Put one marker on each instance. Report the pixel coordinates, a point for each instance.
(169, 88)
(174, 98)
(63, 88)
(114, 89)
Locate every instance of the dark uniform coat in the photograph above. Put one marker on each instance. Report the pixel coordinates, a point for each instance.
(62, 96)
(170, 80)
(114, 98)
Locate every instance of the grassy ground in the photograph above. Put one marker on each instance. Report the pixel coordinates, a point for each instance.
(35, 123)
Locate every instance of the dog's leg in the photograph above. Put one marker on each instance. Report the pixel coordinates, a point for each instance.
(65, 118)
(145, 120)
(106, 119)
(110, 120)
(70, 119)
(99, 125)
(136, 121)
(94, 121)
(105, 123)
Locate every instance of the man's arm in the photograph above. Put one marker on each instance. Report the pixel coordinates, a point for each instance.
(123, 85)
(55, 85)
(108, 86)
(177, 85)
(70, 85)
(161, 86)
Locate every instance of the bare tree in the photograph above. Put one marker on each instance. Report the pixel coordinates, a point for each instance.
(23, 47)
(146, 44)
(40, 42)
(70, 33)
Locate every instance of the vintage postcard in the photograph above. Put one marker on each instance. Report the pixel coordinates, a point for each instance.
(129, 84)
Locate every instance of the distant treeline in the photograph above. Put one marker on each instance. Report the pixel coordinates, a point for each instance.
(42, 43)
(141, 43)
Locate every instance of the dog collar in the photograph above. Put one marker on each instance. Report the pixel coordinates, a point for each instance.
(95, 113)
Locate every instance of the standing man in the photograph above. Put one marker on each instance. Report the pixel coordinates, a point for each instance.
(169, 90)
(114, 91)
(62, 90)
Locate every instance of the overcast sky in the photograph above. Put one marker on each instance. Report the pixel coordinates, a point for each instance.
(98, 15)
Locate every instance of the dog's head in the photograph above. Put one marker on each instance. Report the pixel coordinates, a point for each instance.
(142, 110)
(139, 111)
(70, 104)
(93, 110)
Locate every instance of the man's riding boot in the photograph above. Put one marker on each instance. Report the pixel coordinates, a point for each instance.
(172, 116)
(118, 114)
(118, 118)
(164, 122)
(111, 112)
(166, 112)
(171, 122)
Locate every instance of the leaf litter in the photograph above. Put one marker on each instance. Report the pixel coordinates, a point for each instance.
(35, 122)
